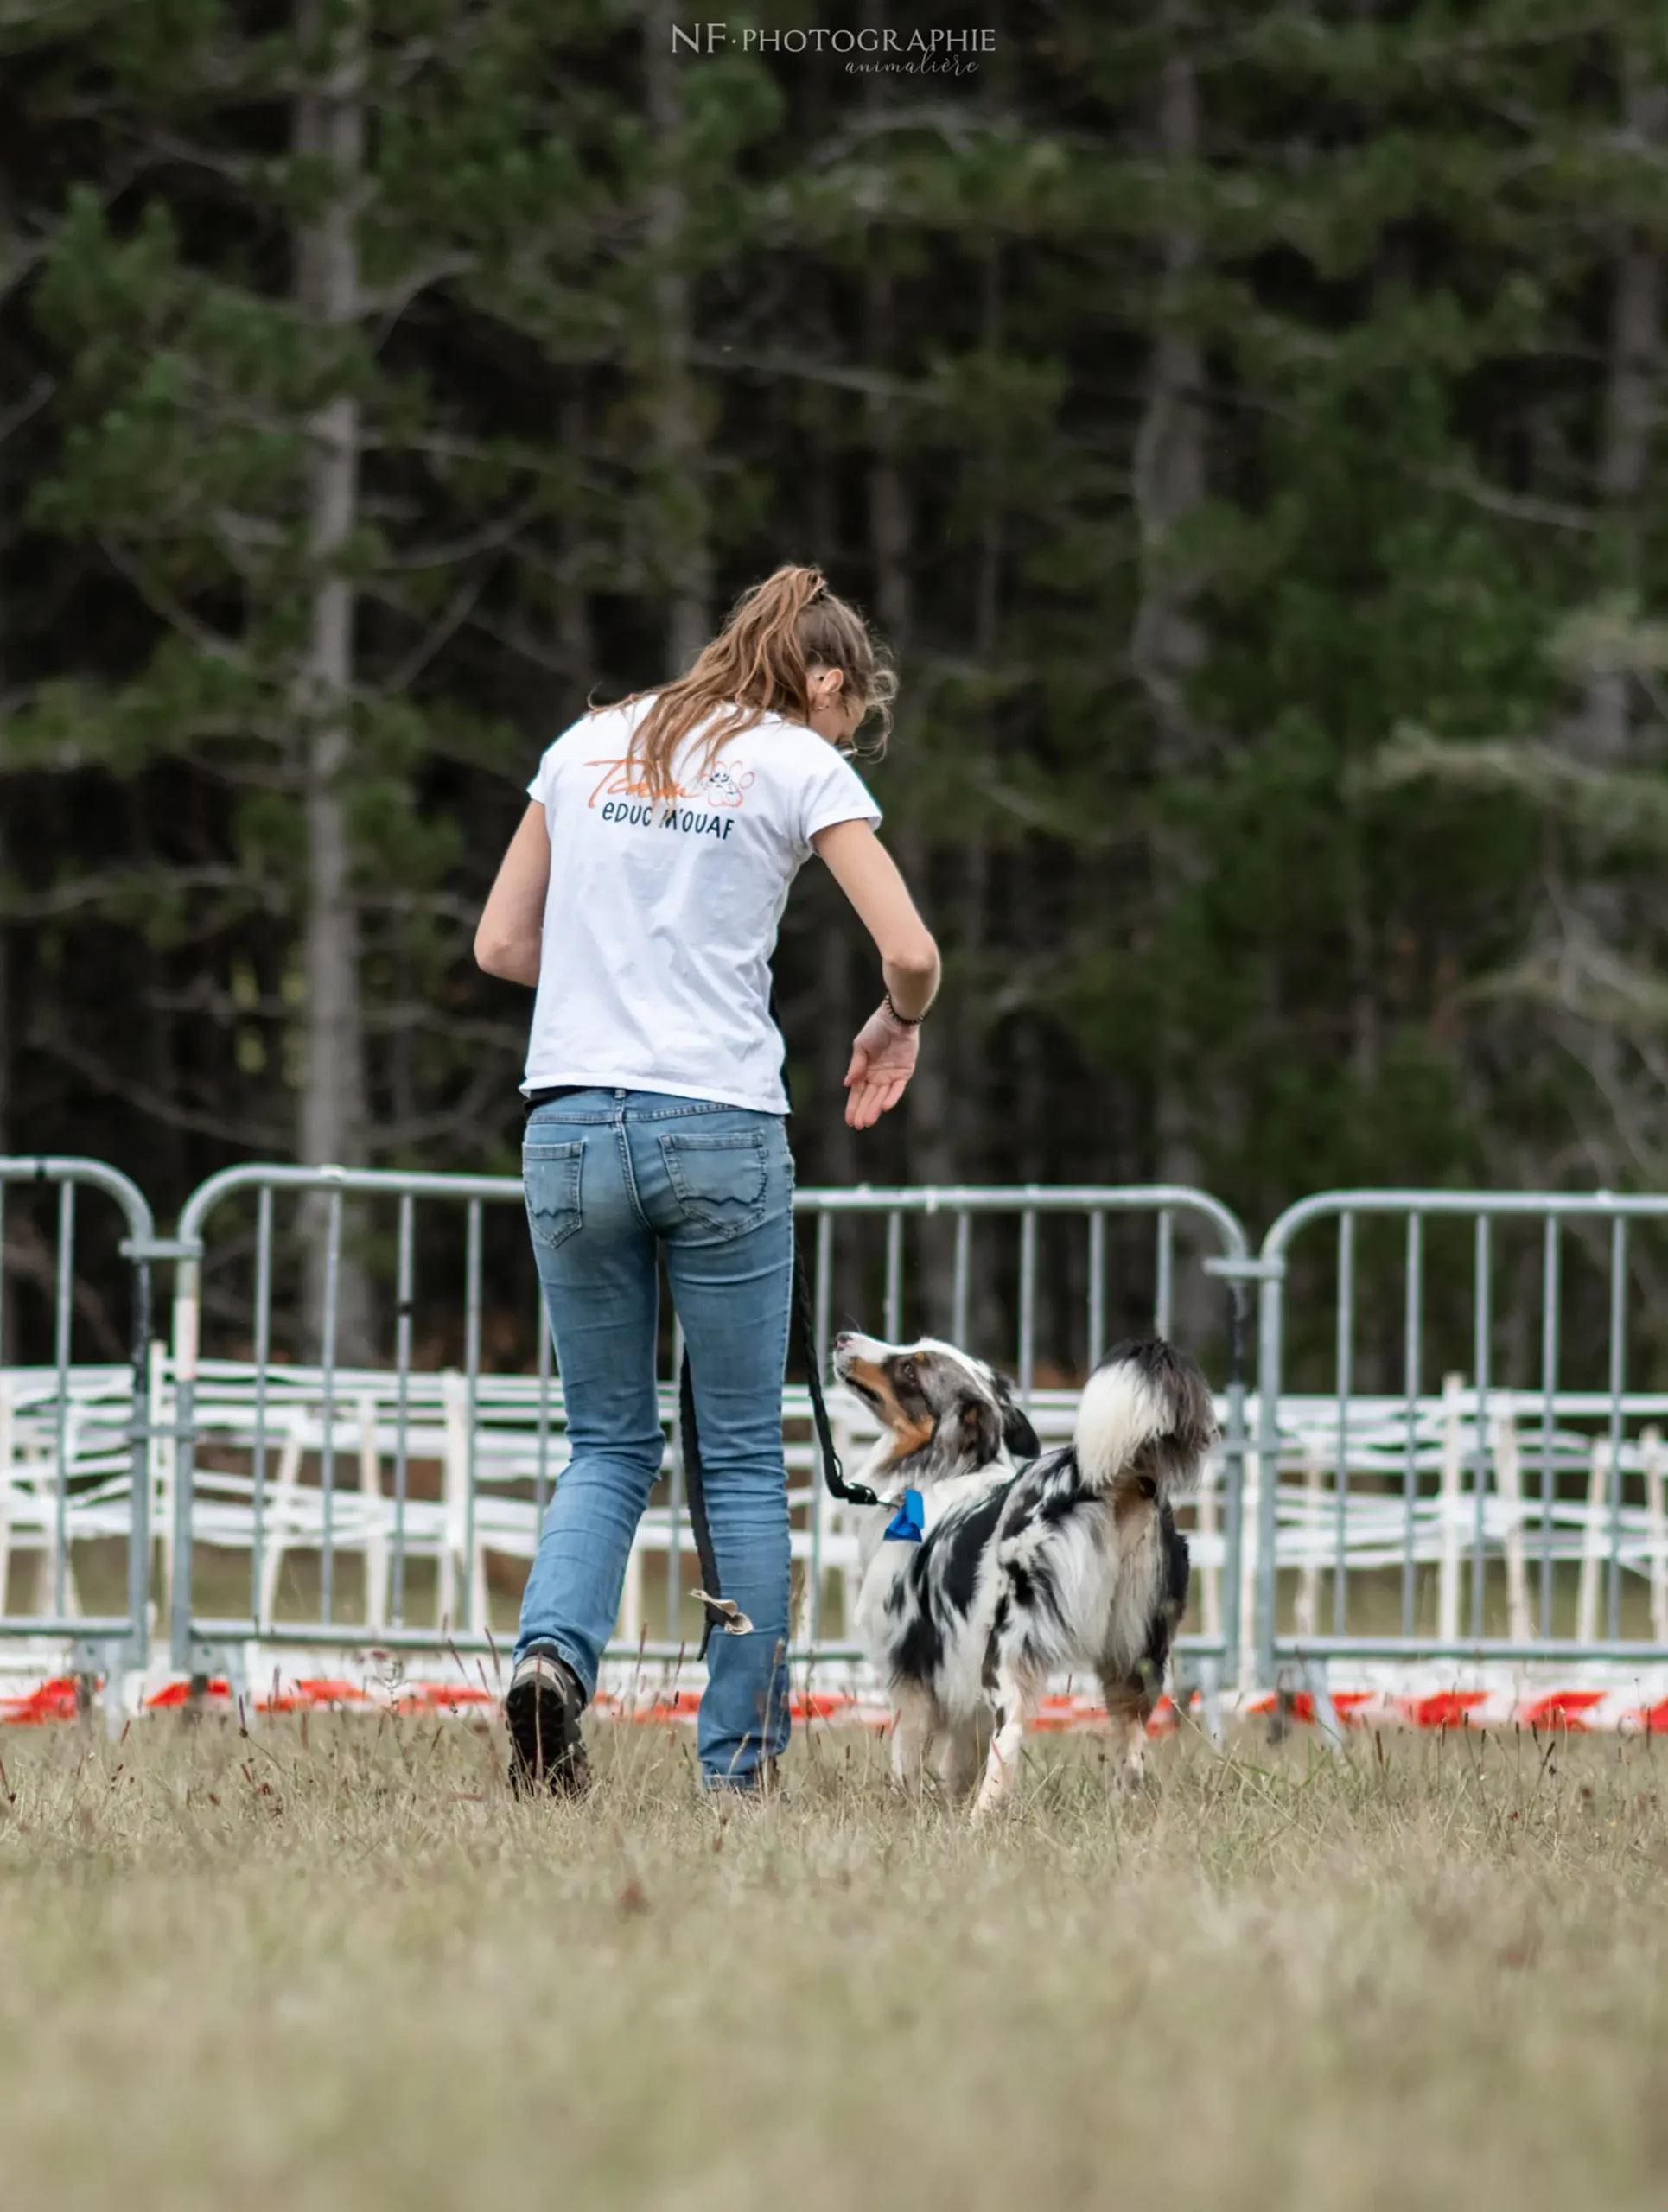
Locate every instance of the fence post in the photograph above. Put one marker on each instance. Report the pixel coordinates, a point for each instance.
(1234, 1503)
(1212, 1574)
(1245, 1667)
(376, 1542)
(116, 1647)
(1448, 1581)
(5, 1483)
(1592, 1543)
(1508, 1484)
(1656, 1530)
(1271, 1322)
(1237, 1269)
(187, 1293)
(1304, 1618)
(139, 1547)
(280, 1519)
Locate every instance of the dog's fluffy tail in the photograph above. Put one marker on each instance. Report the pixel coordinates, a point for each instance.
(1144, 1396)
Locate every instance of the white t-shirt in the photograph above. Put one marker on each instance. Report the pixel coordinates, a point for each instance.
(661, 917)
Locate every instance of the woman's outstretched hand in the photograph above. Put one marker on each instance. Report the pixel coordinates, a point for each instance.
(882, 1060)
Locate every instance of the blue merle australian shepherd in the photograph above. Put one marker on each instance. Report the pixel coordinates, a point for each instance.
(1071, 1563)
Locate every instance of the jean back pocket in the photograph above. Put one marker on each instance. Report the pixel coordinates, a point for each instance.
(721, 1179)
(551, 1175)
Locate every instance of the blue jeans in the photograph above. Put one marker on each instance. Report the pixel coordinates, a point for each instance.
(612, 1176)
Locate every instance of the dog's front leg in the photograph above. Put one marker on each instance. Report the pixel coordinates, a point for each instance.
(964, 1754)
(1016, 1703)
(913, 1730)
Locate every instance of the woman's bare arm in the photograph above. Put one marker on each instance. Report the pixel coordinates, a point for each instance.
(884, 1053)
(869, 875)
(512, 931)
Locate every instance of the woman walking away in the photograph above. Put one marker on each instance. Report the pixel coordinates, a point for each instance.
(641, 895)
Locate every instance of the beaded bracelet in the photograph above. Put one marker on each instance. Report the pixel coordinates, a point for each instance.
(904, 1019)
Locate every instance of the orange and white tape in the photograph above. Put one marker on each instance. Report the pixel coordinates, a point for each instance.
(1637, 1705)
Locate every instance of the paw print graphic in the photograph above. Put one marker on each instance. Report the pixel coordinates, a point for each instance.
(723, 783)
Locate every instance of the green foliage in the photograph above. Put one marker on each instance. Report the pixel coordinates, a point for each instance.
(1302, 907)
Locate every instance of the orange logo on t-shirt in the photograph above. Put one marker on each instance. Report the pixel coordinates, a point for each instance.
(723, 783)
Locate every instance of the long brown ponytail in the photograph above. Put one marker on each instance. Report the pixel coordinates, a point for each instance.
(760, 664)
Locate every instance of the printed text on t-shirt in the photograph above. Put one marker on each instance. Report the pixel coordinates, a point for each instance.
(723, 783)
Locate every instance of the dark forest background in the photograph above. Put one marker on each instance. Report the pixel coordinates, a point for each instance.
(1243, 421)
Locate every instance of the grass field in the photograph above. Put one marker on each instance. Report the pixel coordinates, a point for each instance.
(338, 1965)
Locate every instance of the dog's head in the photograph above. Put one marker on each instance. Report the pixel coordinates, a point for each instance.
(953, 1412)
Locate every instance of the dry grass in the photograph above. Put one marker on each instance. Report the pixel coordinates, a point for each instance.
(343, 1969)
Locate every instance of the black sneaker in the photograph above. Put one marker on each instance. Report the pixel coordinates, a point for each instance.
(547, 1752)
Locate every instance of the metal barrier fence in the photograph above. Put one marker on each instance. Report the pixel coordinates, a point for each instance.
(1443, 1495)
(74, 1454)
(1400, 1489)
(496, 1437)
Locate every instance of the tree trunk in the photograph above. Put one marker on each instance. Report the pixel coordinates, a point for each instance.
(573, 618)
(836, 1151)
(970, 1044)
(329, 129)
(1602, 732)
(1167, 647)
(1629, 409)
(1629, 412)
(837, 1024)
(679, 448)
(929, 1143)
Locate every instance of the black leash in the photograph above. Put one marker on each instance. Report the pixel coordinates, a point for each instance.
(720, 1612)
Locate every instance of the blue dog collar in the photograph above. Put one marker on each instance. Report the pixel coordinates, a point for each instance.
(909, 1523)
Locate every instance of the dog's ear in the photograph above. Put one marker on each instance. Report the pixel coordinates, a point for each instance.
(981, 1429)
(1017, 1433)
